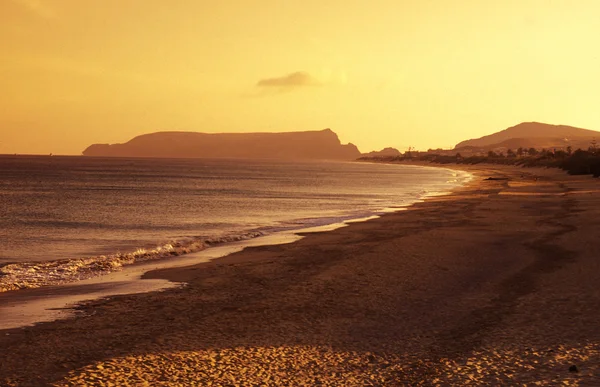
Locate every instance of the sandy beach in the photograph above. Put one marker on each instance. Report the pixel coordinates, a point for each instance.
(493, 284)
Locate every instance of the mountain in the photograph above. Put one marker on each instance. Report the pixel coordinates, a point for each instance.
(386, 152)
(323, 145)
(534, 135)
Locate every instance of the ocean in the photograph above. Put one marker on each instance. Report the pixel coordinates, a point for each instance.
(67, 217)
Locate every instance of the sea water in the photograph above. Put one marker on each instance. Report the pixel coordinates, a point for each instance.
(66, 218)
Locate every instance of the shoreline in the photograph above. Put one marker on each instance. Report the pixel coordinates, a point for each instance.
(497, 278)
(62, 300)
(240, 258)
(32, 274)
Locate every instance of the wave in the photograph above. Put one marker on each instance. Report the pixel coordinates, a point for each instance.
(24, 275)
(27, 275)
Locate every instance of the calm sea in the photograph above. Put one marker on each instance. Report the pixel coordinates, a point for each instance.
(57, 208)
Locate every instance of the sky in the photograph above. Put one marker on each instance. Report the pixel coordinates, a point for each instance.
(399, 73)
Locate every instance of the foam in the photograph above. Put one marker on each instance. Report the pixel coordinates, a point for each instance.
(26, 275)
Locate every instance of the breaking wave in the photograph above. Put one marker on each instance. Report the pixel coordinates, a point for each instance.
(27, 275)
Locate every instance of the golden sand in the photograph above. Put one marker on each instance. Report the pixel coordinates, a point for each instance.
(480, 287)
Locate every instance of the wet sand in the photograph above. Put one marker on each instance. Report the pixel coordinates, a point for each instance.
(495, 284)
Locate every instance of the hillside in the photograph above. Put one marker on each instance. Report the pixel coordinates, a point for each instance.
(385, 152)
(536, 135)
(323, 145)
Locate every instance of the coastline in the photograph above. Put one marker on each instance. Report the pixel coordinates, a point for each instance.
(109, 255)
(60, 299)
(253, 254)
(491, 271)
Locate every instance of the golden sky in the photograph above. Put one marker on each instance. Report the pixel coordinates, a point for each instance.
(421, 73)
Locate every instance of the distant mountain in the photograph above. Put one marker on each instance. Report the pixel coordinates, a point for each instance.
(323, 144)
(386, 152)
(534, 135)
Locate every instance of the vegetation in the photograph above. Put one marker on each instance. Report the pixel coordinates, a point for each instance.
(579, 162)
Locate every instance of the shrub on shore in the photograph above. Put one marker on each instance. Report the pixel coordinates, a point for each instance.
(582, 163)
(579, 162)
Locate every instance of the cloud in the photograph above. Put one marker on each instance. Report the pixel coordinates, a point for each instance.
(297, 80)
(290, 81)
(37, 7)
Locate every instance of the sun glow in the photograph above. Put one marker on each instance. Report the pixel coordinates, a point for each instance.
(395, 73)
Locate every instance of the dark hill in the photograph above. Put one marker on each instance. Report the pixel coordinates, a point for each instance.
(534, 134)
(385, 152)
(323, 144)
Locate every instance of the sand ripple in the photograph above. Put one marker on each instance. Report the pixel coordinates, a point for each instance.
(321, 366)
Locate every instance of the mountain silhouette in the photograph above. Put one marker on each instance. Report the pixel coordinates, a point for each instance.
(323, 145)
(385, 152)
(534, 135)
